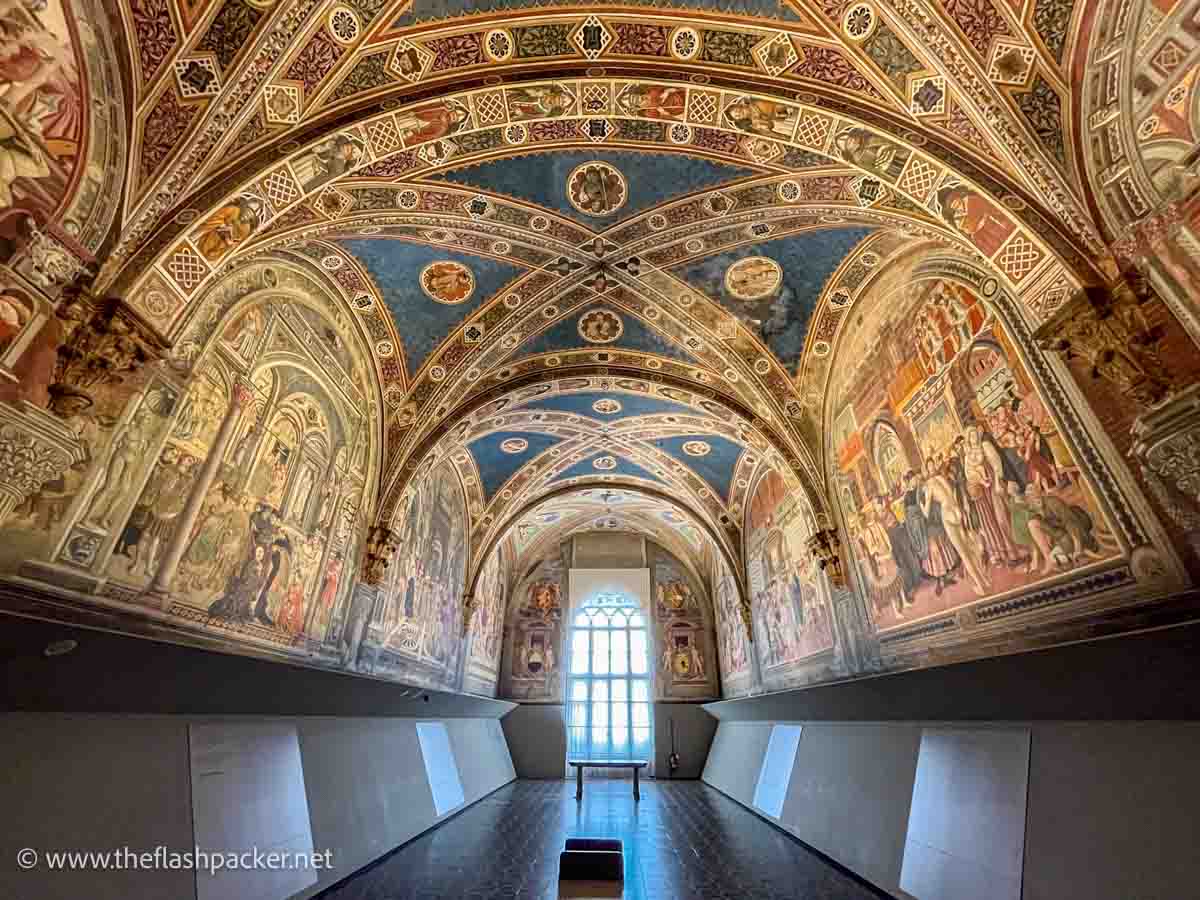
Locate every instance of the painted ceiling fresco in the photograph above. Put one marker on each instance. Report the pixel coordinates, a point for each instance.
(726, 274)
(774, 287)
(457, 287)
(641, 181)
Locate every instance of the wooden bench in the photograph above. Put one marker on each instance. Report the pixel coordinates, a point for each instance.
(636, 764)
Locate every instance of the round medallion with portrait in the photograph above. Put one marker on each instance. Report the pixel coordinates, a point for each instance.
(447, 281)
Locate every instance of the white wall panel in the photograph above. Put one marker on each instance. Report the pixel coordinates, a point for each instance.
(248, 795)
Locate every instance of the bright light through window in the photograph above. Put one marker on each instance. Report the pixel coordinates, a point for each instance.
(609, 711)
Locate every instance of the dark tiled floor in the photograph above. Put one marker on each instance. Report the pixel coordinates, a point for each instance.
(683, 840)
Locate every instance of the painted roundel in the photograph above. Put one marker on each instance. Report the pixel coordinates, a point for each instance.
(607, 406)
(600, 326)
(157, 304)
(596, 189)
(697, 448)
(604, 463)
(514, 445)
(753, 278)
(447, 281)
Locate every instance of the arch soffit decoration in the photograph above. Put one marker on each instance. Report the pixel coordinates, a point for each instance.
(523, 390)
(1137, 69)
(809, 128)
(584, 516)
(801, 111)
(499, 534)
(871, 94)
(329, 253)
(864, 259)
(414, 460)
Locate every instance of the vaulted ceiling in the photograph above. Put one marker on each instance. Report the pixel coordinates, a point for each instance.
(600, 246)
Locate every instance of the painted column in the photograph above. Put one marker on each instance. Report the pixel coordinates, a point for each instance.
(1165, 246)
(1167, 448)
(160, 586)
(363, 599)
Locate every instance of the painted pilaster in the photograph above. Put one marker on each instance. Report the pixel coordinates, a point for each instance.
(160, 586)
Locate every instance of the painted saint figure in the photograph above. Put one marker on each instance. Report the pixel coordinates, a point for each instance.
(428, 123)
(332, 159)
(652, 101)
(975, 217)
(539, 102)
(863, 148)
(985, 480)
(229, 226)
(764, 117)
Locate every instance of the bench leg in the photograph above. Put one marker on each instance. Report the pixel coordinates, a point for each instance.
(579, 782)
(636, 794)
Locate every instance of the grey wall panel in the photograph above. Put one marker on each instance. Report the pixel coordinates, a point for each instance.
(850, 793)
(367, 789)
(736, 757)
(1142, 676)
(966, 827)
(694, 730)
(537, 740)
(481, 754)
(1112, 811)
(248, 792)
(1107, 812)
(94, 783)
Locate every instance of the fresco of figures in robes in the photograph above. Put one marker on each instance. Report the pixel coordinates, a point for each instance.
(793, 626)
(954, 480)
(415, 631)
(238, 519)
(487, 628)
(733, 647)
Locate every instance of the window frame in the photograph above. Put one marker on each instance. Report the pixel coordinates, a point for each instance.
(599, 615)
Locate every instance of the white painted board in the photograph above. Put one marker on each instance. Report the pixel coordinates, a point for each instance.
(776, 772)
(248, 795)
(440, 767)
